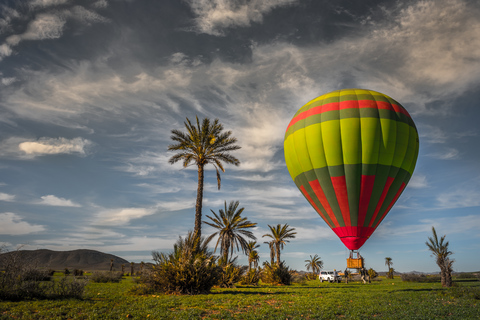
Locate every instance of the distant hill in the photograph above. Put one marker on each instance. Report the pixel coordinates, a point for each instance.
(88, 260)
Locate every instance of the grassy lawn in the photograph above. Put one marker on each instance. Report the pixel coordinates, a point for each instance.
(383, 299)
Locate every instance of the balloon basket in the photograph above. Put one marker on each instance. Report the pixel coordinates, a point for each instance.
(355, 260)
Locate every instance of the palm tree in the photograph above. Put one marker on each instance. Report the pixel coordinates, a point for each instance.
(388, 263)
(271, 246)
(279, 235)
(314, 264)
(254, 257)
(252, 253)
(440, 251)
(232, 228)
(201, 145)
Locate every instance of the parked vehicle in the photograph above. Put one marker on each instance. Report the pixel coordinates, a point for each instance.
(330, 276)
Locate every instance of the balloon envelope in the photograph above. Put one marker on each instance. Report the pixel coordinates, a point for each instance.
(351, 153)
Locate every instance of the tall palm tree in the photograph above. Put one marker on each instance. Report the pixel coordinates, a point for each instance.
(252, 253)
(279, 235)
(440, 251)
(314, 264)
(201, 145)
(232, 228)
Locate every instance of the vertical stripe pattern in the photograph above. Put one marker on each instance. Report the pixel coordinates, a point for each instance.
(351, 153)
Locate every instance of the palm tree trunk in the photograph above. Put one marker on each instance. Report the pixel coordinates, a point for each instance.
(278, 254)
(198, 205)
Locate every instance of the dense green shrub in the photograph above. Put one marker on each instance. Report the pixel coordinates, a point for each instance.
(372, 274)
(274, 274)
(191, 268)
(231, 274)
(252, 277)
(106, 276)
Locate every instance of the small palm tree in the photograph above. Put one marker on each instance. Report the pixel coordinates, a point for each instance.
(232, 228)
(252, 253)
(271, 246)
(440, 251)
(388, 263)
(314, 264)
(201, 145)
(254, 257)
(279, 235)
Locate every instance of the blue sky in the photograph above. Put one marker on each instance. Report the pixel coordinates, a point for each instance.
(90, 90)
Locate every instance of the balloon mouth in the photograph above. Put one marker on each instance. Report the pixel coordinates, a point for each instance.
(353, 237)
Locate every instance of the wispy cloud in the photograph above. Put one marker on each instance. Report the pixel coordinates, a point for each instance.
(13, 224)
(121, 216)
(49, 146)
(214, 16)
(51, 200)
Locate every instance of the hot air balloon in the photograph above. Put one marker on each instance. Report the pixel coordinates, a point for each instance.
(351, 153)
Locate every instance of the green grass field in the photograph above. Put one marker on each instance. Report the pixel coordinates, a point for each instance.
(382, 299)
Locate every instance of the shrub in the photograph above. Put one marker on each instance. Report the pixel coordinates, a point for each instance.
(106, 276)
(372, 273)
(65, 288)
(78, 272)
(302, 278)
(66, 271)
(190, 269)
(412, 277)
(252, 277)
(23, 281)
(231, 274)
(274, 274)
(32, 274)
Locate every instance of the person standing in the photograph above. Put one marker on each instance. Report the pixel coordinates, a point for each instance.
(345, 273)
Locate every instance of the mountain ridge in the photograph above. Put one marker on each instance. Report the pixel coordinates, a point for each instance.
(85, 259)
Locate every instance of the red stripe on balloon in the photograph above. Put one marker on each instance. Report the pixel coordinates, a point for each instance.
(315, 185)
(353, 237)
(399, 192)
(349, 104)
(340, 187)
(305, 193)
(366, 187)
(382, 199)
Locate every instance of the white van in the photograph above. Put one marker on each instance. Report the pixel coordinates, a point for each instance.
(330, 276)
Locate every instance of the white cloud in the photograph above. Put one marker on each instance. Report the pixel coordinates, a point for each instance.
(122, 216)
(51, 200)
(45, 146)
(13, 224)
(7, 197)
(215, 15)
(418, 181)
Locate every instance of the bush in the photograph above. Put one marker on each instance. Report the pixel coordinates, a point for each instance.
(372, 274)
(190, 269)
(412, 277)
(35, 275)
(274, 274)
(231, 274)
(302, 278)
(106, 276)
(78, 272)
(252, 277)
(23, 281)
